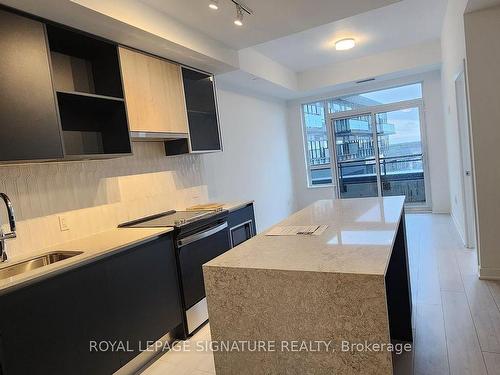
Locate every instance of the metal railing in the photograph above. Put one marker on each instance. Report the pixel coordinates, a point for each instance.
(400, 175)
(318, 152)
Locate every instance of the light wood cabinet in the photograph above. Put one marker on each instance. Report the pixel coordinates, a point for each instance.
(154, 93)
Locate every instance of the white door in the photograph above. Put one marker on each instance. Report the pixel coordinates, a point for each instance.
(466, 160)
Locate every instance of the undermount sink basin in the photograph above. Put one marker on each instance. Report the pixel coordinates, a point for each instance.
(34, 263)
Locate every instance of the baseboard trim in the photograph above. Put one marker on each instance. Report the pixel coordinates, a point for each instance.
(144, 359)
(489, 273)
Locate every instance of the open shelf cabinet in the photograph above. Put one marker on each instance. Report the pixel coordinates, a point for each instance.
(87, 81)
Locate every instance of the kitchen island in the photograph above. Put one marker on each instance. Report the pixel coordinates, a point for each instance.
(307, 304)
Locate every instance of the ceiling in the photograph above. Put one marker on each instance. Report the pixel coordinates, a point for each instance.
(297, 34)
(398, 25)
(272, 19)
(475, 5)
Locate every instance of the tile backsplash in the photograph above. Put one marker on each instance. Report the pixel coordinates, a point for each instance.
(94, 196)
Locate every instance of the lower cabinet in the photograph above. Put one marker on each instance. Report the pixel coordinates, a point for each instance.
(145, 295)
(93, 319)
(241, 224)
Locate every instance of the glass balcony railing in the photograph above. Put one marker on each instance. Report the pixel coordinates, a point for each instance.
(403, 175)
(398, 176)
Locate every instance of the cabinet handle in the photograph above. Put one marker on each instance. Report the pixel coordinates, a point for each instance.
(199, 236)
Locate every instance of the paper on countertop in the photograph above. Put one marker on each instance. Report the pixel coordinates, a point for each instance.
(297, 230)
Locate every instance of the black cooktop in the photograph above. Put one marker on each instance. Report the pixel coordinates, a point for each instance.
(173, 218)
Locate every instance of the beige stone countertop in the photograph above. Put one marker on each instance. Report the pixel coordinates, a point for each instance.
(359, 239)
(93, 247)
(233, 206)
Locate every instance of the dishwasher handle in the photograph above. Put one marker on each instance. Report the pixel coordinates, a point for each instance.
(199, 236)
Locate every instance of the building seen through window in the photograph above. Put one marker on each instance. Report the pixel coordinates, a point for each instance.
(368, 163)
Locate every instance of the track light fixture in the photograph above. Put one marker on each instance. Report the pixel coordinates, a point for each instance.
(214, 4)
(239, 16)
(241, 8)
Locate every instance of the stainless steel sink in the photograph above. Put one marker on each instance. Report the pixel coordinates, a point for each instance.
(34, 263)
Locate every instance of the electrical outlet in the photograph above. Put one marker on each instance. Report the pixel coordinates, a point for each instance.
(63, 223)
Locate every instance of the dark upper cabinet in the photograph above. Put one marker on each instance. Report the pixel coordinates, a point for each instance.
(87, 81)
(29, 126)
(61, 95)
(201, 108)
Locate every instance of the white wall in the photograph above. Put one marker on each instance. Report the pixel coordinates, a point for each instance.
(95, 196)
(482, 29)
(435, 132)
(436, 143)
(453, 55)
(255, 163)
(426, 54)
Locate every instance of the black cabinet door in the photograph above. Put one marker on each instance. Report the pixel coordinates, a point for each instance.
(241, 232)
(241, 225)
(66, 324)
(47, 328)
(202, 111)
(29, 128)
(146, 294)
(193, 255)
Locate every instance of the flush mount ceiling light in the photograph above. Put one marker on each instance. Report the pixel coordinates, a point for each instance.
(214, 4)
(345, 44)
(239, 15)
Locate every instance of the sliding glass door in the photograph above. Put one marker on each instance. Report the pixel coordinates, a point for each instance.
(380, 153)
(355, 152)
(400, 154)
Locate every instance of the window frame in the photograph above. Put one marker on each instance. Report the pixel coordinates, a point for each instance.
(307, 158)
(328, 116)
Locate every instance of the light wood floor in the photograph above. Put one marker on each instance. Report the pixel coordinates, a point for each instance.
(456, 316)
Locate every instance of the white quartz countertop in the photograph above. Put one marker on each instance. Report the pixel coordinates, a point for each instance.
(359, 239)
(93, 247)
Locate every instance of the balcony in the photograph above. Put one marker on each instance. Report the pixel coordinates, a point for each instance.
(401, 175)
(398, 176)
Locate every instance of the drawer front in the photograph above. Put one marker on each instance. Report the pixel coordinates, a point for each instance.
(192, 256)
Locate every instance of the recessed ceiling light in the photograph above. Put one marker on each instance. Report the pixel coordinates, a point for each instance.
(239, 16)
(214, 5)
(345, 44)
